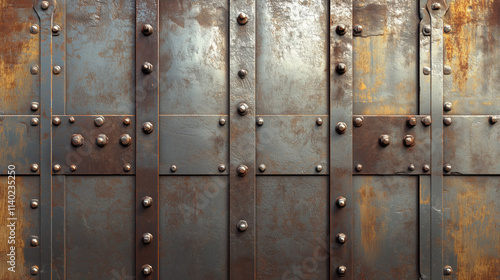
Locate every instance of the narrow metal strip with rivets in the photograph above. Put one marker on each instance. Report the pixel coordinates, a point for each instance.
(147, 144)
(341, 126)
(242, 145)
(58, 31)
(437, 9)
(45, 10)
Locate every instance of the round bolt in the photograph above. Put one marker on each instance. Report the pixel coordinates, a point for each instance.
(341, 201)
(45, 5)
(384, 140)
(260, 121)
(147, 269)
(341, 68)
(342, 270)
(72, 168)
(99, 121)
(426, 70)
(147, 238)
(242, 108)
(242, 225)
(319, 168)
(436, 6)
(447, 270)
(34, 121)
(34, 203)
(426, 168)
(56, 167)
(341, 127)
(147, 201)
(319, 121)
(427, 121)
(242, 170)
(34, 269)
(447, 70)
(127, 167)
(447, 106)
(34, 241)
(262, 167)
(34, 167)
(173, 168)
(34, 29)
(34, 70)
(102, 140)
(56, 28)
(447, 28)
(358, 28)
(447, 168)
(56, 120)
(56, 70)
(147, 68)
(147, 29)
(409, 141)
(222, 167)
(126, 121)
(358, 121)
(242, 18)
(426, 30)
(77, 140)
(222, 121)
(411, 121)
(242, 73)
(71, 119)
(341, 29)
(447, 121)
(34, 106)
(341, 238)
(358, 167)
(125, 140)
(493, 119)
(411, 167)
(147, 127)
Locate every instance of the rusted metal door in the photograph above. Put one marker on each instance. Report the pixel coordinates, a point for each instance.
(250, 139)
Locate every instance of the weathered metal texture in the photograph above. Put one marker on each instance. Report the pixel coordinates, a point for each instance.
(424, 96)
(471, 238)
(193, 145)
(90, 158)
(385, 229)
(385, 57)
(100, 57)
(19, 52)
(194, 227)
(424, 230)
(27, 224)
(193, 57)
(293, 145)
(59, 30)
(292, 216)
(396, 157)
(471, 50)
(59, 227)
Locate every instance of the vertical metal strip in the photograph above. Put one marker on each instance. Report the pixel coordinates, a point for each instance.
(242, 134)
(59, 58)
(437, 9)
(147, 144)
(424, 226)
(59, 227)
(341, 102)
(45, 10)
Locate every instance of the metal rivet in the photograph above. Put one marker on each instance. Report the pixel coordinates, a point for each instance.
(147, 68)
(34, 70)
(173, 168)
(45, 5)
(341, 238)
(447, 106)
(71, 119)
(447, 70)
(242, 18)
(242, 73)
(147, 201)
(411, 121)
(34, 241)
(358, 28)
(260, 121)
(56, 167)
(77, 140)
(34, 106)
(341, 127)
(222, 121)
(426, 168)
(358, 167)
(341, 68)
(427, 121)
(426, 70)
(102, 140)
(447, 270)
(262, 167)
(319, 168)
(411, 167)
(56, 120)
(126, 121)
(147, 127)
(426, 30)
(342, 270)
(409, 141)
(341, 201)
(147, 269)
(384, 140)
(34, 269)
(242, 170)
(125, 140)
(34, 121)
(493, 119)
(34, 203)
(56, 70)
(34, 167)
(358, 121)
(436, 6)
(34, 29)
(147, 238)
(447, 121)
(447, 168)
(147, 29)
(319, 121)
(99, 121)
(447, 28)
(242, 108)
(222, 167)
(127, 167)
(341, 29)
(72, 168)
(56, 28)
(242, 225)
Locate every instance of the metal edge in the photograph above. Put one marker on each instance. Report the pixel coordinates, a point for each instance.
(59, 228)
(424, 233)
(59, 59)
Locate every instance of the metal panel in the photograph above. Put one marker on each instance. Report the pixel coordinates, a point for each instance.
(193, 145)
(293, 145)
(194, 227)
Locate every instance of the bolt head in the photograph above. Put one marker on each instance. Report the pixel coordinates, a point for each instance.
(358, 167)
(341, 238)
(411, 167)
(77, 140)
(341, 127)
(147, 127)
(447, 121)
(358, 28)
(242, 109)
(409, 141)
(447, 106)
(426, 70)
(56, 120)
(127, 167)
(72, 168)
(319, 121)
(34, 203)
(384, 140)
(260, 121)
(341, 68)
(71, 119)
(147, 29)
(45, 5)
(341, 29)
(262, 167)
(447, 29)
(147, 201)
(102, 140)
(56, 69)
(319, 168)
(242, 170)
(34, 241)
(56, 28)
(242, 18)
(147, 238)
(358, 121)
(34, 121)
(493, 119)
(447, 70)
(34, 29)
(126, 121)
(147, 68)
(173, 168)
(411, 121)
(427, 121)
(147, 269)
(341, 201)
(242, 225)
(222, 121)
(447, 270)
(447, 168)
(34, 70)
(125, 140)
(222, 167)
(34, 106)
(342, 270)
(242, 73)
(34, 269)
(426, 30)
(56, 167)
(99, 121)
(426, 168)
(436, 6)
(34, 167)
